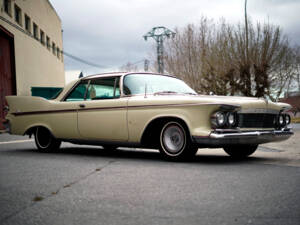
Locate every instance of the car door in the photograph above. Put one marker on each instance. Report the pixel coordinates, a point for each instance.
(103, 114)
(66, 118)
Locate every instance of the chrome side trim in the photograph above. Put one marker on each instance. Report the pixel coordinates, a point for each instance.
(123, 107)
(259, 111)
(103, 142)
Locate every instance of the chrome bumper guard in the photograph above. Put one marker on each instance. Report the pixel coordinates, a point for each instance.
(219, 139)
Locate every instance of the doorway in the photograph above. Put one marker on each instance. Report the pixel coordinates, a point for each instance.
(7, 69)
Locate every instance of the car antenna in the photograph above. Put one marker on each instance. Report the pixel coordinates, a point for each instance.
(145, 90)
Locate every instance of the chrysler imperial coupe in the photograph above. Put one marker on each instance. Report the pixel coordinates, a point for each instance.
(147, 110)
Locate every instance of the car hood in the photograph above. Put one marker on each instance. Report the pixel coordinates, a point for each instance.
(243, 102)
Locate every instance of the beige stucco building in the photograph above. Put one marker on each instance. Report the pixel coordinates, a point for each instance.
(37, 34)
(30, 47)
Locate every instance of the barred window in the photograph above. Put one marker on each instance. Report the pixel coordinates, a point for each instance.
(53, 48)
(35, 31)
(42, 37)
(7, 7)
(48, 43)
(27, 23)
(18, 15)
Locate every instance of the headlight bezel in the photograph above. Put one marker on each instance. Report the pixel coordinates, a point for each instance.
(220, 118)
(283, 120)
(287, 119)
(223, 119)
(233, 116)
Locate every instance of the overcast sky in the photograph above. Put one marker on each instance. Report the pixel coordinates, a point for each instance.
(109, 32)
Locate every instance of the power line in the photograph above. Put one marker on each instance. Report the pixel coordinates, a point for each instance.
(137, 62)
(52, 47)
(61, 51)
(83, 61)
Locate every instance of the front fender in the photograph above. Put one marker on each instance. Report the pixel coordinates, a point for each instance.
(196, 117)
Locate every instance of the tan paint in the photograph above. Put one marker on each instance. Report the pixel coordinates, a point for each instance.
(111, 124)
(123, 119)
(104, 124)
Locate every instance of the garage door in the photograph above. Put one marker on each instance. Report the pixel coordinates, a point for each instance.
(7, 76)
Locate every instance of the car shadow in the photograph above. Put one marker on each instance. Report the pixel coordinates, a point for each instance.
(140, 154)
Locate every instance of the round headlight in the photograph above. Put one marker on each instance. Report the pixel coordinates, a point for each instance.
(287, 119)
(281, 120)
(220, 117)
(231, 119)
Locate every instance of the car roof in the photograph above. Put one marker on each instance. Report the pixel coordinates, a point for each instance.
(123, 74)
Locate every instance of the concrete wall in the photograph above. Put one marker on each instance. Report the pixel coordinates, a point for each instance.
(36, 65)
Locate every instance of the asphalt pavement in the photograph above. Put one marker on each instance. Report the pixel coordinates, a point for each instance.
(90, 185)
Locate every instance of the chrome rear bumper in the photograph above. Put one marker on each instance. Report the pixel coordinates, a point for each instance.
(217, 139)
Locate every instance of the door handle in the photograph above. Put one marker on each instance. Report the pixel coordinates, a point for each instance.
(81, 105)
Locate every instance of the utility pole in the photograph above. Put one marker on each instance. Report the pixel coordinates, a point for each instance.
(247, 33)
(146, 65)
(159, 34)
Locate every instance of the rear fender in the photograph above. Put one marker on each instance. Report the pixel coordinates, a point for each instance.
(31, 129)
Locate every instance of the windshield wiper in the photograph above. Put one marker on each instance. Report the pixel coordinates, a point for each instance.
(165, 92)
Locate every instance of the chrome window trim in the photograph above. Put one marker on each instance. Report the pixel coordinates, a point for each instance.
(88, 82)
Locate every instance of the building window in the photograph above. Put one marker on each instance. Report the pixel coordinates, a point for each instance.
(18, 15)
(48, 43)
(58, 52)
(53, 48)
(42, 37)
(35, 31)
(7, 7)
(27, 23)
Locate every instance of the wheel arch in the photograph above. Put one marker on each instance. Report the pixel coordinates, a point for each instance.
(30, 130)
(152, 129)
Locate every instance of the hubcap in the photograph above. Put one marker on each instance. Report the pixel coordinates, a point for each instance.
(173, 139)
(43, 137)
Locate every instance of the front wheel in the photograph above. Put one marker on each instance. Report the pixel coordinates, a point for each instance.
(45, 141)
(240, 151)
(175, 143)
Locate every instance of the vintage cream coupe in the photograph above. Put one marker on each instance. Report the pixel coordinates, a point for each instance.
(149, 111)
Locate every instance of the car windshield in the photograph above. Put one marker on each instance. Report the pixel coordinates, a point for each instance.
(155, 84)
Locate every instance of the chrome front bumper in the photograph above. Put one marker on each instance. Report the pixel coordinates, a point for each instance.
(219, 139)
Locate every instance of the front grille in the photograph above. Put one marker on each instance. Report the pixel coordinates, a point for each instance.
(257, 120)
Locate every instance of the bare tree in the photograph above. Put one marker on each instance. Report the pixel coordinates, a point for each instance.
(297, 67)
(252, 60)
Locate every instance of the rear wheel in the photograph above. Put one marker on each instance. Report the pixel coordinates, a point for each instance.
(45, 141)
(175, 143)
(240, 151)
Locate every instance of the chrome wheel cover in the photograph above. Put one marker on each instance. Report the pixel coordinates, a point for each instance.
(43, 138)
(173, 138)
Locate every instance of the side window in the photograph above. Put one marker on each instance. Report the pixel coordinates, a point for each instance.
(103, 88)
(78, 93)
